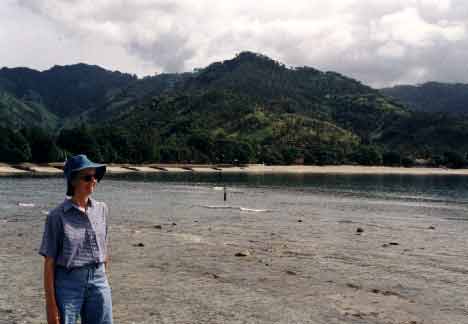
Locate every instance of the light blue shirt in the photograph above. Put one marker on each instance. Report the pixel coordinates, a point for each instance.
(75, 238)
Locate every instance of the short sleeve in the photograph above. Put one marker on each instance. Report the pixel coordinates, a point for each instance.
(51, 237)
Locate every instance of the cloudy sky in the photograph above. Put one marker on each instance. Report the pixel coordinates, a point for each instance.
(380, 42)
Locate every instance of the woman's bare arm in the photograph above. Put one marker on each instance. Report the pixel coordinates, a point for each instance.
(49, 287)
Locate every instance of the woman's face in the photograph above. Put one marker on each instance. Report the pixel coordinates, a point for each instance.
(85, 182)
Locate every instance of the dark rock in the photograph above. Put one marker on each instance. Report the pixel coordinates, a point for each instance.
(394, 243)
(174, 224)
(351, 285)
(292, 273)
(140, 244)
(213, 275)
(299, 220)
(243, 253)
(431, 227)
(359, 230)
(20, 234)
(157, 226)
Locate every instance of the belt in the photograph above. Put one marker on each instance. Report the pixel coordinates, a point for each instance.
(86, 266)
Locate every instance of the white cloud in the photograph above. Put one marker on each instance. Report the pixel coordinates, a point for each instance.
(380, 42)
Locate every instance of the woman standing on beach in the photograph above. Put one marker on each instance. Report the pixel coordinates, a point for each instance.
(74, 245)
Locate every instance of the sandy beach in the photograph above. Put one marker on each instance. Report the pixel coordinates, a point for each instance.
(342, 261)
(54, 169)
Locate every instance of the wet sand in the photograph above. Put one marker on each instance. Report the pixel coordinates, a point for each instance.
(297, 269)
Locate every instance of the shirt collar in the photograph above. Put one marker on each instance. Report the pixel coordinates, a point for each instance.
(68, 204)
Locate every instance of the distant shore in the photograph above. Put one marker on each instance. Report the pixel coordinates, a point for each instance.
(56, 169)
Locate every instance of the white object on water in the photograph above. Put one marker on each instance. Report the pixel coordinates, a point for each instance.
(26, 204)
(254, 210)
(218, 188)
(44, 212)
(244, 209)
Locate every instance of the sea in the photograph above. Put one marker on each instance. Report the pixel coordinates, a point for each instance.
(172, 196)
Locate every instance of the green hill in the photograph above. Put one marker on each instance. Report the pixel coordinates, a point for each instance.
(246, 109)
(66, 91)
(432, 97)
(16, 114)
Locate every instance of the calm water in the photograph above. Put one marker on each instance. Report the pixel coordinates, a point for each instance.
(171, 197)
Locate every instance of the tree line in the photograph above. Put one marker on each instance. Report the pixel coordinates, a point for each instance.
(118, 145)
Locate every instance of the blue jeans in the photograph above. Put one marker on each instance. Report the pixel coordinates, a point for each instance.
(83, 292)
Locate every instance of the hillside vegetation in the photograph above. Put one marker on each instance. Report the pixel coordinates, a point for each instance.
(247, 109)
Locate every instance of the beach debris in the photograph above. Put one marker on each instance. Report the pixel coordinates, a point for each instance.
(389, 244)
(359, 230)
(354, 286)
(431, 227)
(139, 245)
(29, 205)
(244, 253)
(290, 272)
(174, 224)
(157, 226)
(214, 275)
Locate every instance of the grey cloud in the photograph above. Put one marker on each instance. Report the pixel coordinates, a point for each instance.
(380, 42)
(169, 51)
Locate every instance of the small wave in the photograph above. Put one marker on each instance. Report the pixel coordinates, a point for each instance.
(240, 208)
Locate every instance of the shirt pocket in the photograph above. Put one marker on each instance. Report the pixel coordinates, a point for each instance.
(74, 237)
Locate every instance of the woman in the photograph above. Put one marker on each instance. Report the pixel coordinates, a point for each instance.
(74, 245)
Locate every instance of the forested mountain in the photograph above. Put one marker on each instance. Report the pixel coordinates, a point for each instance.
(432, 97)
(247, 109)
(66, 91)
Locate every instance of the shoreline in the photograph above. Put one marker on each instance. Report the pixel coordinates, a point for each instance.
(53, 169)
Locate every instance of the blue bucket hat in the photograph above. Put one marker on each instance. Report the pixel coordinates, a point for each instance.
(79, 162)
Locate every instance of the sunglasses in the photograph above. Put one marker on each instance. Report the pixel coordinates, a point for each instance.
(88, 177)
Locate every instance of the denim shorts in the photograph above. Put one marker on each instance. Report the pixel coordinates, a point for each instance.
(83, 292)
